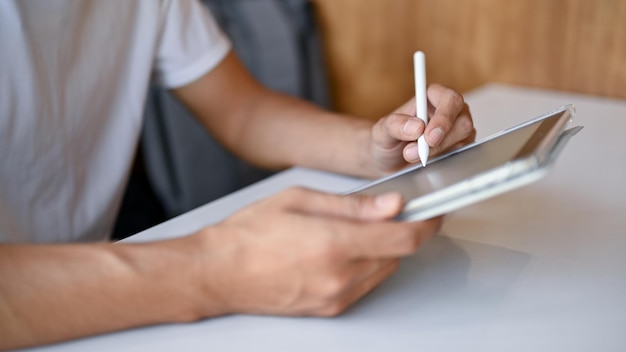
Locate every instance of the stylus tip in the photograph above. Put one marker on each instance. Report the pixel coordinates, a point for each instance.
(423, 150)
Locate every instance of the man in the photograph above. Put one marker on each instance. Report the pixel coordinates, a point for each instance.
(73, 77)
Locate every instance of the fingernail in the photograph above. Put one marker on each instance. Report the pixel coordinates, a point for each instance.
(411, 153)
(410, 127)
(435, 136)
(388, 200)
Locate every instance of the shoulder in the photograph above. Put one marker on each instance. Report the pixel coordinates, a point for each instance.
(190, 43)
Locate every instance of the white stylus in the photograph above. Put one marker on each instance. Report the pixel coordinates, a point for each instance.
(421, 102)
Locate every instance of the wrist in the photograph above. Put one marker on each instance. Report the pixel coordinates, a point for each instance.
(171, 279)
(364, 161)
(208, 270)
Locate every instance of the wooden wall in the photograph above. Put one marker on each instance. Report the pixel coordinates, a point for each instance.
(572, 45)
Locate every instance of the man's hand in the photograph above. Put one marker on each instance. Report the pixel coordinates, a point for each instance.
(297, 253)
(393, 142)
(306, 253)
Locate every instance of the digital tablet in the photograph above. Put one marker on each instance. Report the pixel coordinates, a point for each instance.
(504, 161)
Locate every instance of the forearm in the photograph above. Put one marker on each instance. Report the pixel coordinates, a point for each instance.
(273, 130)
(51, 293)
(282, 131)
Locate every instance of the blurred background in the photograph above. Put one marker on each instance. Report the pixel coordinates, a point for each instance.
(570, 45)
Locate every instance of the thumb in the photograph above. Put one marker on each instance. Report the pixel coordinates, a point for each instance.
(358, 207)
(386, 205)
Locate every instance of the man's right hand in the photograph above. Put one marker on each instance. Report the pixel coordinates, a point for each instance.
(303, 252)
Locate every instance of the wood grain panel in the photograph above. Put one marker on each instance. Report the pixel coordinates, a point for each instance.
(571, 45)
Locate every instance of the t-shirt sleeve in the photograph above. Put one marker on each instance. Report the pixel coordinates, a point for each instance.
(191, 44)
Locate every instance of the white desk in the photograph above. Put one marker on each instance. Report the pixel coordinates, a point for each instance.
(542, 268)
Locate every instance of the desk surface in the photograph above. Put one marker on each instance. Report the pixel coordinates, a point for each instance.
(542, 268)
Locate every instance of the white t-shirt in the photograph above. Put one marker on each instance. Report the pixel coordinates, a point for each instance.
(73, 79)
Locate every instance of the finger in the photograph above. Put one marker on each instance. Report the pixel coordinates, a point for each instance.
(411, 153)
(391, 129)
(374, 239)
(359, 270)
(386, 239)
(462, 132)
(356, 207)
(360, 289)
(345, 279)
(448, 105)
